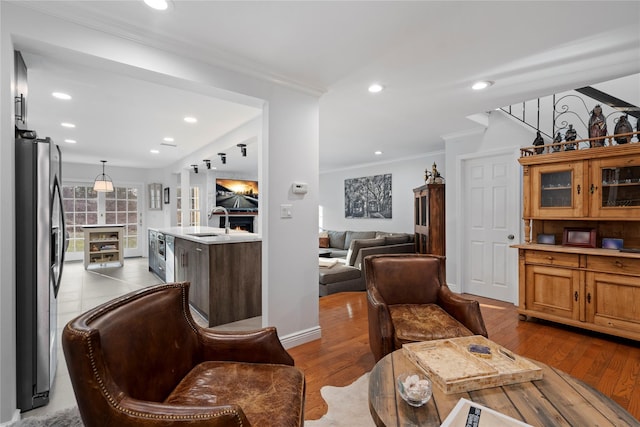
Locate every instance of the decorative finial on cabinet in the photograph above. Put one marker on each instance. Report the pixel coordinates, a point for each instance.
(434, 176)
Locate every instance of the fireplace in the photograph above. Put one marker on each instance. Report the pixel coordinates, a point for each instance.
(238, 223)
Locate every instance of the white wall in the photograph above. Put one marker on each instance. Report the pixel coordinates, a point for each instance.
(405, 176)
(290, 130)
(7, 227)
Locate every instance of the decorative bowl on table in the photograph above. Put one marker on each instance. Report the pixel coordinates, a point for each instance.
(414, 388)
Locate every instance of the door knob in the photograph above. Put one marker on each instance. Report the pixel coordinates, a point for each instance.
(511, 237)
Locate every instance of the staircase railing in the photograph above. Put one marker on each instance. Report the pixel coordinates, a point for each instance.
(552, 116)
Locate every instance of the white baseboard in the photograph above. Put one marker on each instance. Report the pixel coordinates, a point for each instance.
(301, 337)
(16, 417)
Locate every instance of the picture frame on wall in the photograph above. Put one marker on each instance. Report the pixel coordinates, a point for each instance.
(582, 237)
(166, 195)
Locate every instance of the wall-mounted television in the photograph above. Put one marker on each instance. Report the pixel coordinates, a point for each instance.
(237, 195)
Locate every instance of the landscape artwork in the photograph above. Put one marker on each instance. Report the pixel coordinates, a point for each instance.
(368, 197)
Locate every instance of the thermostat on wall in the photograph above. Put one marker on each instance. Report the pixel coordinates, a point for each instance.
(299, 188)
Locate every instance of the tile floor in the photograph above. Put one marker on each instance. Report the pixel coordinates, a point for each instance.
(81, 290)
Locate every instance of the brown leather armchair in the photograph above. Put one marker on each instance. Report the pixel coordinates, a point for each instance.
(141, 360)
(409, 301)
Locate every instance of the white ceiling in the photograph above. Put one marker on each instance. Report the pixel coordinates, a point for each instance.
(426, 53)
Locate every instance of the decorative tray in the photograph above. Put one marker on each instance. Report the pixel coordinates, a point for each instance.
(455, 368)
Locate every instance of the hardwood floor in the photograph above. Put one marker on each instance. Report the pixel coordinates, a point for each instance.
(610, 364)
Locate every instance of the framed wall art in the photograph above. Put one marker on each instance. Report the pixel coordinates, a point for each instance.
(368, 197)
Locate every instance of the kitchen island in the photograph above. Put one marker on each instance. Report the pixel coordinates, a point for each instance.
(225, 271)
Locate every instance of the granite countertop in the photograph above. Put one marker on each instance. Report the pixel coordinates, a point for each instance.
(209, 235)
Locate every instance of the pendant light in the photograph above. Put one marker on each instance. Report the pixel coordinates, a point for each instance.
(103, 183)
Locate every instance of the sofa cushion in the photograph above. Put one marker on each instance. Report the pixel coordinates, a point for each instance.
(336, 239)
(424, 322)
(353, 235)
(267, 394)
(357, 244)
(338, 273)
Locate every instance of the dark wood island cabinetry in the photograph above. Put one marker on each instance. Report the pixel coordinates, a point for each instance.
(224, 270)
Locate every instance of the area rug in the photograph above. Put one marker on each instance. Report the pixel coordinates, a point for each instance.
(69, 417)
(348, 407)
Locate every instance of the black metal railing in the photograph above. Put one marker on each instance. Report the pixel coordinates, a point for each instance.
(554, 115)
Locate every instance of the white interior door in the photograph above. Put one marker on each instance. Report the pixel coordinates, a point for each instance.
(491, 217)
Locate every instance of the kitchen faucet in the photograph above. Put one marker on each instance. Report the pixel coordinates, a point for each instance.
(226, 217)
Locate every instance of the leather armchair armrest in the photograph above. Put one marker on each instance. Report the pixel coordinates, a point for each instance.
(258, 346)
(380, 325)
(464, 310)
(134, 412)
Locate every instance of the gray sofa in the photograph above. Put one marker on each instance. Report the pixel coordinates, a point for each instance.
(348, 249)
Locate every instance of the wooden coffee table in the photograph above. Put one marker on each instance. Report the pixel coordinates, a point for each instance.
(558, 399)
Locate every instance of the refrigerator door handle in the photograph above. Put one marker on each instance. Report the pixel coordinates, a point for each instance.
(59, 240)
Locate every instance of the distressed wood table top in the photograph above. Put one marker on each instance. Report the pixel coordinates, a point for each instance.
(557, 399)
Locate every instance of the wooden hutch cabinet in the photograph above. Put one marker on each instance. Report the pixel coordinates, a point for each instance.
(577, 284)
(429, 219)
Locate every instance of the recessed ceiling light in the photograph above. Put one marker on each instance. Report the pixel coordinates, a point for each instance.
(377, 153)
(67, 125)
(154, 151)
(375, 88)
(481, 85)
(157, 4)
(70, 141)
(190, 119)
(168, 139)
(61, 95)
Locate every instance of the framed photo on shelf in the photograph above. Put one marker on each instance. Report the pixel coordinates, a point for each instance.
(166, 195)
(546, 239)
(610, 243)
(584, 237)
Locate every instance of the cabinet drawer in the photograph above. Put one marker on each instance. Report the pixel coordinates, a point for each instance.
(614, 264)
(552, 258)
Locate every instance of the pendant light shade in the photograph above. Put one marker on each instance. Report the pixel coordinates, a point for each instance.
(103, 183)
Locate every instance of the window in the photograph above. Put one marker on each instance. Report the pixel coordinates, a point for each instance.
(80, 204)
(84, 206)
(194, 206)
(121, 207)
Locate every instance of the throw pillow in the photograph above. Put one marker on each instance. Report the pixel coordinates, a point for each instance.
(396, 239)
(353, 235)
(336, 239)
(324, 242)
(358, 244)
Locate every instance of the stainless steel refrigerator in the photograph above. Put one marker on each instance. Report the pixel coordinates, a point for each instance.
(40, 248)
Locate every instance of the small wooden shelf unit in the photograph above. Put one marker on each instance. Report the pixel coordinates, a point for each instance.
(103, 246)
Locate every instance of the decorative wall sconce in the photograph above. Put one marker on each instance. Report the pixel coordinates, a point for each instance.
(223, 158)
(195, 168)
(207, 163)
(243, 149)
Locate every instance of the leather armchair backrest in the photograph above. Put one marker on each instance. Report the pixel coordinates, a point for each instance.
(405, 279)
(141, 346)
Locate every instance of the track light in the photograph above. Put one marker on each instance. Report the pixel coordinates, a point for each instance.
(195, 168)
(223, 158)
(207, 163)
(243, 149)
